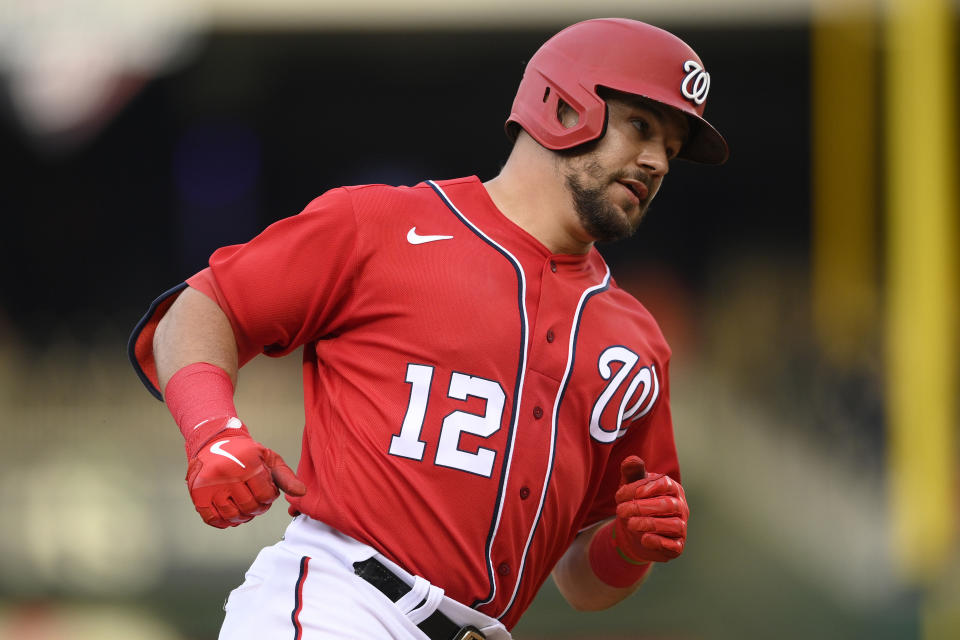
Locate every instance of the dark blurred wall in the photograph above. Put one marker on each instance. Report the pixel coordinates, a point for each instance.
(257, 124)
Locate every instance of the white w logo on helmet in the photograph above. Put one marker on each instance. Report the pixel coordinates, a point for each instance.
(696, 84)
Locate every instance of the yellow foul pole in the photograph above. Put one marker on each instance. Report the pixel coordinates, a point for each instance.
(844, 273)
(921, 313)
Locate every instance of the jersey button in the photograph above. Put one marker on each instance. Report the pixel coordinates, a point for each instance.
(537, 413)
(553, 266)
(503, 569)
(524, 493)
(550, 335)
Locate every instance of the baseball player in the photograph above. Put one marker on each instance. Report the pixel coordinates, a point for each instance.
(484, 406)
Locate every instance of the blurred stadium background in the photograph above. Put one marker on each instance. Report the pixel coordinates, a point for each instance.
(809, 289)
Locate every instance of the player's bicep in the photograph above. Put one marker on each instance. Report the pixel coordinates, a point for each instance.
(194, 329)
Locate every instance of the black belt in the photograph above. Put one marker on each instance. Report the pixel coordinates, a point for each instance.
(437, 626)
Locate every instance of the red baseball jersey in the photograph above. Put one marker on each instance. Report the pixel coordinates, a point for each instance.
(468, 395)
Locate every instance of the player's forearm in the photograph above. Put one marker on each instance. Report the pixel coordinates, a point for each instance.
(578, 583)
(194, 329)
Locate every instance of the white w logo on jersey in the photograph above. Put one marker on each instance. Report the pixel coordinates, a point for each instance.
(643, 389)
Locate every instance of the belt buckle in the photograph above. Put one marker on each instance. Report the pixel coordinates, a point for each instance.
(469, 633)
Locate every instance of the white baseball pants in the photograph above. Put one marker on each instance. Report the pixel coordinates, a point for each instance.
(304, 588)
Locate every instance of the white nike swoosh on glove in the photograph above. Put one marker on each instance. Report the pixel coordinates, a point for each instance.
(232, 423)
(217, 448)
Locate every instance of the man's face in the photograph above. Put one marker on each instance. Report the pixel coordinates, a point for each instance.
(614, 181)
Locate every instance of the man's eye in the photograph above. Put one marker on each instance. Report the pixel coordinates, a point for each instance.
(642, 125)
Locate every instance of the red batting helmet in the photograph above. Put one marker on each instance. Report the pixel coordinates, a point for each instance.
(624, 55)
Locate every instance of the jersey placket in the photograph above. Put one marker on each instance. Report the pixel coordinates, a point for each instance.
(525, 497)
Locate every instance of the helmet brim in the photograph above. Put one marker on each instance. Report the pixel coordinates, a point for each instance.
(705, 144)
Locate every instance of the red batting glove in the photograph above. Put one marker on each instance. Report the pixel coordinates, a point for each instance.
(233, 478)
(652, 514)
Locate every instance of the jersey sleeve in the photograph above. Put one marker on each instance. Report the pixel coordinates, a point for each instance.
(291, 284)
(652, 439)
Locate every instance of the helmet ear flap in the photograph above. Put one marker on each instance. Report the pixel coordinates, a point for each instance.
(550, 97)
(581, 146)
(537, 103)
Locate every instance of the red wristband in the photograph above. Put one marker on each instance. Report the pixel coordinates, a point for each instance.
(612, 565)
(200, 398)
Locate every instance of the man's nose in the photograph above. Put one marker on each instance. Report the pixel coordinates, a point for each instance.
(654, 158)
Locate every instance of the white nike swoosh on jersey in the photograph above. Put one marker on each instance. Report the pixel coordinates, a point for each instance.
(217, 448)
(415, 238)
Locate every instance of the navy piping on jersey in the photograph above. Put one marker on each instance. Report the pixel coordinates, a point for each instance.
(132, 342)
(571, 356)
(517, 391)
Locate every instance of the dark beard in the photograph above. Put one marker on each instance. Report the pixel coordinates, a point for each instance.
(597, 214)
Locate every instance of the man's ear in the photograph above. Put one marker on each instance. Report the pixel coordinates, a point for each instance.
(567, 115)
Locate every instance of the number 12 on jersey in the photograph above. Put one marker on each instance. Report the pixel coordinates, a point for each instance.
(449, 454)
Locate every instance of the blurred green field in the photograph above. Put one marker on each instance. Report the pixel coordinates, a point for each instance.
(95, 523)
